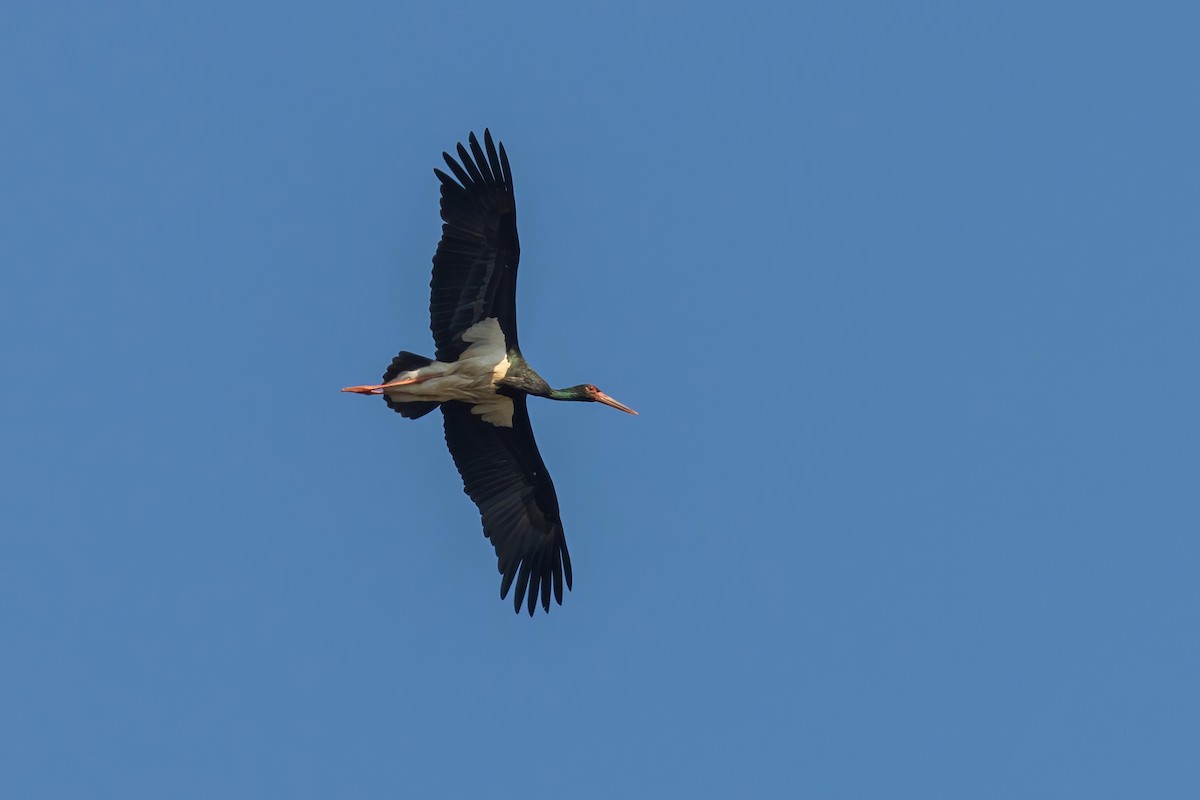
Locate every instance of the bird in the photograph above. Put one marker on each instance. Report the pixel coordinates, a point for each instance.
(480, 380)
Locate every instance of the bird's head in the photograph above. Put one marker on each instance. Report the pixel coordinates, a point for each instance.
(587, 392)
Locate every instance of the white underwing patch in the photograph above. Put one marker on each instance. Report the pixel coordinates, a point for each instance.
(499, 411)
(487, 347)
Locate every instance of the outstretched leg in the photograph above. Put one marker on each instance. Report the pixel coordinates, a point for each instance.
(379, 389)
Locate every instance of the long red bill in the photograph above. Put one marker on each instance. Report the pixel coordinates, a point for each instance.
(601, 397)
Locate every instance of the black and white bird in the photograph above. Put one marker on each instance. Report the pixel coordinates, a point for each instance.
(480, 380)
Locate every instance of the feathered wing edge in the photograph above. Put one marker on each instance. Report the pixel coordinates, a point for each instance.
(475, 265)
(503, 473)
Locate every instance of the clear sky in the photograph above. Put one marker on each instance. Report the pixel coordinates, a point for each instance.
(907, 295)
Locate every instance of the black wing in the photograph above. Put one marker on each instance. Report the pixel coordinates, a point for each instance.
(503, 473)
(475, 266)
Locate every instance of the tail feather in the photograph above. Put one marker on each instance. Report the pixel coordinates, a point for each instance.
(403, 362)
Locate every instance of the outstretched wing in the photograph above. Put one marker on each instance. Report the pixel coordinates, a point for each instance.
(503, 473)
(475, 266)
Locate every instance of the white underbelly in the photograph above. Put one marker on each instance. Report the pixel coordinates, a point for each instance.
(468, 382)
(471, 379)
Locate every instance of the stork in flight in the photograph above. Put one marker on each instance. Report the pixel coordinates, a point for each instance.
(480, 379)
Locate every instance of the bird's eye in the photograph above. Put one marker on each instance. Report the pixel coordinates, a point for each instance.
(592, 389)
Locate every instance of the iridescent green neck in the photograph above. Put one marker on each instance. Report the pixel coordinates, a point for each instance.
(570, 393)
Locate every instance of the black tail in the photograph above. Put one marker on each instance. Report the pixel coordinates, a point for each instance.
(402, 363)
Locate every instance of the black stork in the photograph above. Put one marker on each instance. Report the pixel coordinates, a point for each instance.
(480, 379)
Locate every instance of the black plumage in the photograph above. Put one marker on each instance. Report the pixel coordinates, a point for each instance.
(475, 266)
(404, 361)
(472, 305)
(474, 278)
(503, 473)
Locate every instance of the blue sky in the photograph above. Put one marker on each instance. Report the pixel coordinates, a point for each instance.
(906, 295)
